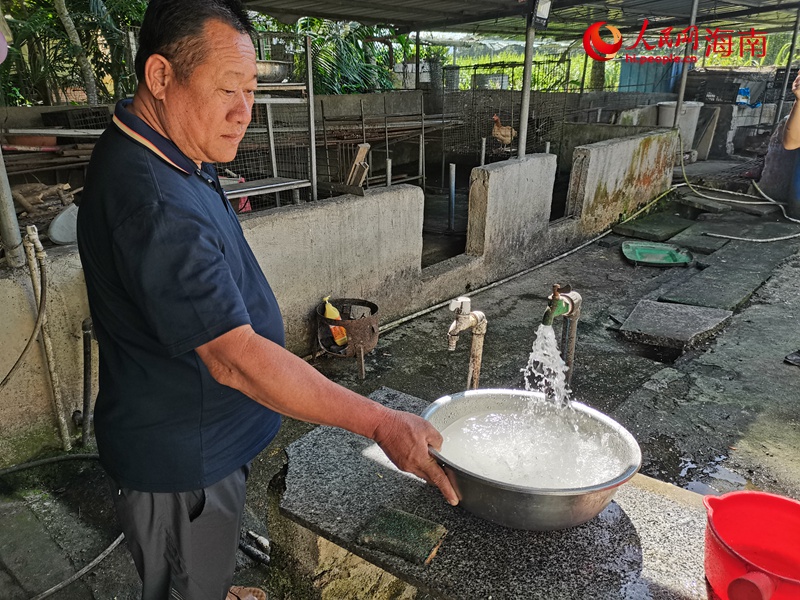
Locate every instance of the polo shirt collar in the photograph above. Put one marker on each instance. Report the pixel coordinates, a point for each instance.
(143, 134)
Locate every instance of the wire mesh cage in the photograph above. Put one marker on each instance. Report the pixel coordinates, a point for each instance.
(277, 144)
(484, 100)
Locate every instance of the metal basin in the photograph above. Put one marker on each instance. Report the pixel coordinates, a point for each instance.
(529, 506)
(273, 71)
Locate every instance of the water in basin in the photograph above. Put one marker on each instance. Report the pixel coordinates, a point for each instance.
(538, 448)
(548, 445)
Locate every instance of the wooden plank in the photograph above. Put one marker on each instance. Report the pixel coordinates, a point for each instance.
(358, 165)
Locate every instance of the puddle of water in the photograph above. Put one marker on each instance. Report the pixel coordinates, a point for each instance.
(701, 488)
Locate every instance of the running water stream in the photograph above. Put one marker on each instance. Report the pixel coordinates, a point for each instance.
(546, 445)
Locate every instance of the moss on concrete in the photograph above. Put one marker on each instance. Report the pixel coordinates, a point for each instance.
(32, 443)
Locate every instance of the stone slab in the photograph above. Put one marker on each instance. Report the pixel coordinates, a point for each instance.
(673, 325)
(31, 557)
(694, 238)
(645, 544)
(740, 204)
(760, 258)
(704, 204)
(658, 227)
(611, 240)
(759, 210)
(727, 216)
(726, 288)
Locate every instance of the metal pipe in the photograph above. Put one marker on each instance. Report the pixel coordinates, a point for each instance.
(35, 253)
(788, 70)
(312, 126)
(685, 72)
(476, 321)
(9, 226)
(421, 159)
(86, 417)
(386, 125)
(416, 63)
(547, 147)
(583, 76)
(571, 332)
(452, 207)
(530, 34)
(388, 172)
(325, 141)
(476, 351)
(422, 172)
(483, 151)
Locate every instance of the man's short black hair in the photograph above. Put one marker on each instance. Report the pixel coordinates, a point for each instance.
(174, 28)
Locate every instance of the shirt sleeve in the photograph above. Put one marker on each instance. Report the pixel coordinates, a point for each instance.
(171, 260)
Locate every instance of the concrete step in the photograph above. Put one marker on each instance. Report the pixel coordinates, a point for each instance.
(726, 288)
(749, 256)
(657, 227)
(704, 204)
(673, 325)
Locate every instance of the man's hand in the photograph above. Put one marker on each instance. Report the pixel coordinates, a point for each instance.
(405, 439)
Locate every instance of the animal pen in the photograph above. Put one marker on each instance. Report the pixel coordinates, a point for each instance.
(473, 94)
(274, 164)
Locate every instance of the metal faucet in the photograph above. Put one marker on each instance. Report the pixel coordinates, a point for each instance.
(468, 319)
(564, 302)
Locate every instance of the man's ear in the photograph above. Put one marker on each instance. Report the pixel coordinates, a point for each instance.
(157, 73)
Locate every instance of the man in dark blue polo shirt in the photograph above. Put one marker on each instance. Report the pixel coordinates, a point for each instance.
(193, 373)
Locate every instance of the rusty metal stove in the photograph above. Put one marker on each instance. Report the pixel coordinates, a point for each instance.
(359, 319)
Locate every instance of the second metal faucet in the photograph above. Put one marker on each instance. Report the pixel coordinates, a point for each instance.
(468, 319)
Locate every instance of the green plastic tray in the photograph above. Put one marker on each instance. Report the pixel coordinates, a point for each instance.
(655, 254)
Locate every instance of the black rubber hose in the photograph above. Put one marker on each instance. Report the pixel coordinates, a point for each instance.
(46, 461)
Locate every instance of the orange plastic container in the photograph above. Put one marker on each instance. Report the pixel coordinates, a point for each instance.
(753, 546)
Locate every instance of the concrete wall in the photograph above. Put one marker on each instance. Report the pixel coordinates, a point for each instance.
(580, 134)
(368, 247)
(731, 118)
(615, 177)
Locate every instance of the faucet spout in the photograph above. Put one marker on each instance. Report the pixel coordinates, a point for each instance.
(557, 305)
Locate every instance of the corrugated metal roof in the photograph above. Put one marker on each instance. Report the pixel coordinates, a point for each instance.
(568, 18)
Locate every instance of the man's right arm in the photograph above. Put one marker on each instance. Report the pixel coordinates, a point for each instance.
(276, 378)
(791, 133)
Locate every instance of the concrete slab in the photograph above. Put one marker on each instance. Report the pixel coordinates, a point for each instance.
(704, 204)
(673, 325)
(760, 258)
(727, 288)
(612, 240)
(725, 217)
(694, 238)
(657, 227)
(648, 543)
(31, 557)
(740, 204)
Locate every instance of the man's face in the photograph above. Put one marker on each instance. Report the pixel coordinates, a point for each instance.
(207, 115)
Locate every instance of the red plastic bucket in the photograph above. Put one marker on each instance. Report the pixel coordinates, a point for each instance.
(753, 546)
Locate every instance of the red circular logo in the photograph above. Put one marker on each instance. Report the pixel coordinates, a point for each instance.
(596, 47)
